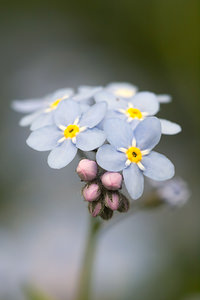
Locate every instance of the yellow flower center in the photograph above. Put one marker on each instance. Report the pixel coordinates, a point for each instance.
(134, 113)
(71, 131)
(54, 104)
(126, 93)
(134, 154)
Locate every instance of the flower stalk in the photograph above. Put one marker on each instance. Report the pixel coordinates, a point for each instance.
(84, 288)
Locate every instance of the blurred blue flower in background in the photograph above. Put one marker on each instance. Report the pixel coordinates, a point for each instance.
(175, 192)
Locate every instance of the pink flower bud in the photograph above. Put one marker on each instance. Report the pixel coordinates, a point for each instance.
(112, 181)
(87, 169)
(112, 201)
(91, 192)
(95, 208)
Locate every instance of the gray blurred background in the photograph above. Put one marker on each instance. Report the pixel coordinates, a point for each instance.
(43, 220)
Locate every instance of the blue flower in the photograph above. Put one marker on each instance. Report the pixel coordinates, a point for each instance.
(41, 110)
(72, 130)
(136, 109)
(130, 151)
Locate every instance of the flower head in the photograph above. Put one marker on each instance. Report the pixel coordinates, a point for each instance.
(72, 130)
(41, 110)
(130, 151)
(136, 109)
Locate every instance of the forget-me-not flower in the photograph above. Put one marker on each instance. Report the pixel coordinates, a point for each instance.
(130, 151)
(136, 109)
(72, 130)
(41, 110)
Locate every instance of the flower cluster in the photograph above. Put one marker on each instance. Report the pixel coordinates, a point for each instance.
(102, 190)
(117, 122)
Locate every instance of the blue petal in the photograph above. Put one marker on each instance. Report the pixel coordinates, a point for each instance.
(90, 139)
(94, 115)
(148, 133)
(157, 166)
(169, 127)
(84, 107)
(146, 102)
(100, 125)
(164, 98)
(28, 119)
(44, 119)
(86, 92)
(110, 159)
(112, 101)
(64, 93)
(67, 112)
(134, 123)
(62, 155)
(44, 139)
(115, 114)
(118, 133)
(89, 89)
(26, 106)
(110, 115)
(134, 181)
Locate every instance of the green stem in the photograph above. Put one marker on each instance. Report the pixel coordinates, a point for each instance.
(84, 288)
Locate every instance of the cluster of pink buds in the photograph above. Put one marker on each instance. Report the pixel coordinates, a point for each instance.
(101, 191)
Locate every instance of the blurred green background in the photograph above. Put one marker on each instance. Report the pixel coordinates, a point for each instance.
(47, 45)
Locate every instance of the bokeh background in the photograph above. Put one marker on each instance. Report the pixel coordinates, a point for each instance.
(46, 45)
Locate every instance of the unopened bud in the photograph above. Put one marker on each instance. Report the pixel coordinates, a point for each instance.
(112, 200)
(91, 192)
(124, 204)
(112, 181)
(95, 208)
(106, 214)
(87, 169)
